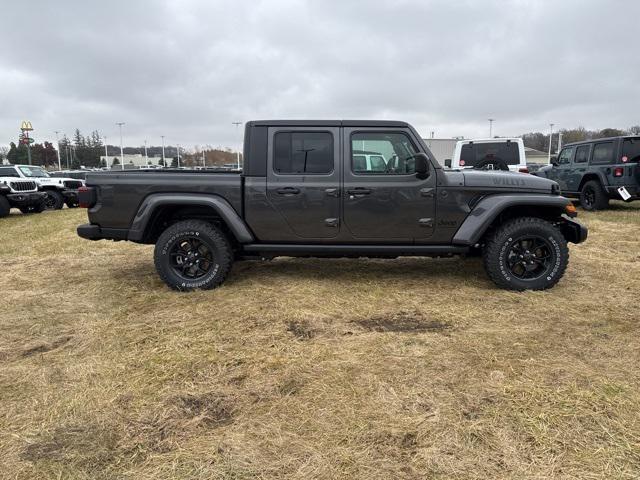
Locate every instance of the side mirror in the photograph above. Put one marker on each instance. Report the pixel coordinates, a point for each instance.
(554, 161)
(422, 165)
(447, 163)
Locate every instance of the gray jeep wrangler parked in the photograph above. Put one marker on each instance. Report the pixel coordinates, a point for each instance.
(597, 170)
(307, 189)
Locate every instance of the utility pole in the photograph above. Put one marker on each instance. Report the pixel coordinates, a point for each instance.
(237, 124)
(120, 124)
(491, 127)
(204, 161)
(106, 153)
(164, 162)
(550, 139)
(146, 157)
(559, 141)
(58, 143)
(178, 155)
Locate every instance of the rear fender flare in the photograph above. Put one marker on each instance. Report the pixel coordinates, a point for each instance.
(154, 201)
(488, 209)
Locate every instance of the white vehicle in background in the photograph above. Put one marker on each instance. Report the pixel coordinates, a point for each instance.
(21, 194)
(59, 190)
(489, 154)
(369, 162)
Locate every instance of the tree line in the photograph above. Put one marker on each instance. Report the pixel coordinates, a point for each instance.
(540, 141)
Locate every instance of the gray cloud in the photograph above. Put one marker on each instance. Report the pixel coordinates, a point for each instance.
(187, 69)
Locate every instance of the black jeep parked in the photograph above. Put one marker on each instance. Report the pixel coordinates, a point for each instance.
(597, 170)
(335, 189)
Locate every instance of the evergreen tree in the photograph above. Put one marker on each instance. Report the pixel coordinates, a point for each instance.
(115, 161)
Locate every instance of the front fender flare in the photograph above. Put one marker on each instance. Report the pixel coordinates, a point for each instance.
(152, 202)
(487, 209)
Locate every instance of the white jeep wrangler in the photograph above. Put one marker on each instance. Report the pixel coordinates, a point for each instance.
(59, 190)
(22, 194)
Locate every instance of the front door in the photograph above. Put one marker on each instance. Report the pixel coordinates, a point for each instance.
(560, 173)
(303, 180)
(383, 198)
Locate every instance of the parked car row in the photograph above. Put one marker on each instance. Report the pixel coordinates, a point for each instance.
(31, 189)
(593, 171)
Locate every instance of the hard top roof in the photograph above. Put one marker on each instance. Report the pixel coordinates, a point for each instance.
(635, 137)
(328, 123)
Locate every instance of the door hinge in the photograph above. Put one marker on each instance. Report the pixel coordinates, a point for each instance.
(426, 222)
(331, 222)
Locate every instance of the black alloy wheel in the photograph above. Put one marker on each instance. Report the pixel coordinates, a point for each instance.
(530, 257)
(190, 258)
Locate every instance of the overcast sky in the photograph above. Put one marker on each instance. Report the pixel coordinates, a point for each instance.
(187, 69)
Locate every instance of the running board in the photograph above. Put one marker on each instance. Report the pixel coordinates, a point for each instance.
(357, 250)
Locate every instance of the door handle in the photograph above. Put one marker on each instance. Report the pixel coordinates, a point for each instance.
(427, 192)
(359, 191)
(288, 191)
(332, 192)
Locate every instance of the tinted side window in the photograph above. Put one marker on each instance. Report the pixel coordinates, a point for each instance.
(582, 154)
(382, 153)
(603, 152)
(303, 152)
(631, 149)
(8, 172)
(565, 155)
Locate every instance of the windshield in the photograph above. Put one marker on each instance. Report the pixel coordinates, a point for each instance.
(33, 172)
(473, 154)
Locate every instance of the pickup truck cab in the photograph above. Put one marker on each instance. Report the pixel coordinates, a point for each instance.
(490, 153)
(59, 190)
(596, 171)
(305, 192)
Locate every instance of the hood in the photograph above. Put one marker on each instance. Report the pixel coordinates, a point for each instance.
(509, 181)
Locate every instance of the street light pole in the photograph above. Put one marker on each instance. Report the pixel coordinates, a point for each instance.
(146, 157)
(58, 142)
(550, 139)
(237, 124)
(120, 124)
(491, 127)
(164, 162)
(106, 153)
(178, 155)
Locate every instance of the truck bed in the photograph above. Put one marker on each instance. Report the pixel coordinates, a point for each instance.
(121, 193)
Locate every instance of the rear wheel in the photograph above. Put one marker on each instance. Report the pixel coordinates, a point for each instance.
(593, 196)
(53, 200)
(526, 254)
(193, 254)
(5, 207)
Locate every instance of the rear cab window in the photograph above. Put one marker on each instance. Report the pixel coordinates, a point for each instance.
(297, 153)
(473, 154)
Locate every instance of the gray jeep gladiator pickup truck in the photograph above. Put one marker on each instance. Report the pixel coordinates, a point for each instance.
(335, 189)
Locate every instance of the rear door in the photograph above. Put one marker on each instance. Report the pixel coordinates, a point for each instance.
(385, 200)
(303, 180)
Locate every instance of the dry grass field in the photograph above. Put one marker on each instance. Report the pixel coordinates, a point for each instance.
(372, 369)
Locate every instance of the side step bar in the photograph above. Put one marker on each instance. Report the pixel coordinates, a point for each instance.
(357, 250)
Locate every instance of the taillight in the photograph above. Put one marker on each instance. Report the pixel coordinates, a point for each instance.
(86, 197)
(618, 172)
(523, 170)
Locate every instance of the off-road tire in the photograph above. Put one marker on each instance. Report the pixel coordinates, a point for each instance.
(5, 207)
(71, 204)
(212, 237)
(55, 200)
(503, 239)
(593, 196)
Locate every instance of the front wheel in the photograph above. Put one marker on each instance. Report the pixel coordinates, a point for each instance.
(526, 254)
(53, 200)
(193, 254)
